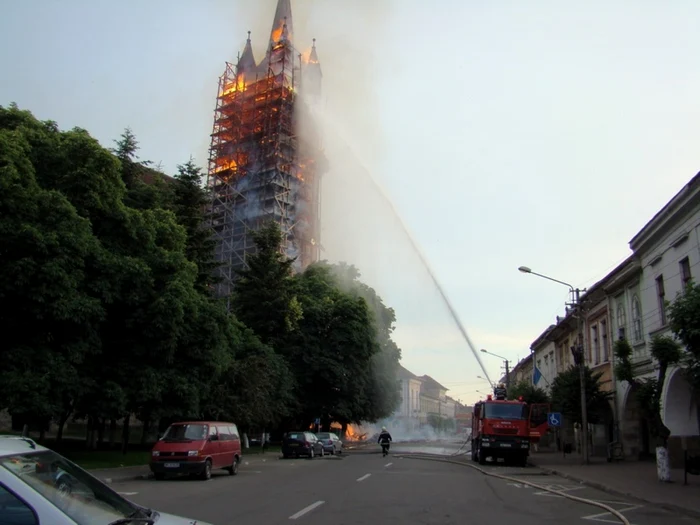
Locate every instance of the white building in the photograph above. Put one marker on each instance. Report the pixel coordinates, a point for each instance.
(668, 250)
(543, 349)
(410, 407)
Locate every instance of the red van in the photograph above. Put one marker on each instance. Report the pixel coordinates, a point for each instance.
(197, 447)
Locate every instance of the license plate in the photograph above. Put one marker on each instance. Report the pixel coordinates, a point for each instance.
(507, 445)
(294, 444)
(172, 465)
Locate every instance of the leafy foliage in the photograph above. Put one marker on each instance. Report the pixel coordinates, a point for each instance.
(566, 394)
(106, 272)
(684, 317)
(529, 392)
(666, 352)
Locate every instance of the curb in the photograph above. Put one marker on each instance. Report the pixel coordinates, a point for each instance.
(600, 486)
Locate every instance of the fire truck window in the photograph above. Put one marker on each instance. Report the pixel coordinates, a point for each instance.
(504, 411)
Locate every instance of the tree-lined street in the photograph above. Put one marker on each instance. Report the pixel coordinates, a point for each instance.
(363, 487)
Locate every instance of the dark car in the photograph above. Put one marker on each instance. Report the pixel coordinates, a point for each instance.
(301, 443)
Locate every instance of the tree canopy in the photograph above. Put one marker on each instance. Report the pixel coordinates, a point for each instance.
(106, 278)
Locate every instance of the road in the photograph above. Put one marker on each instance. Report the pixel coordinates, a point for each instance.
(363, 488)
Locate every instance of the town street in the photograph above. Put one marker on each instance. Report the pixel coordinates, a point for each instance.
(363, 487)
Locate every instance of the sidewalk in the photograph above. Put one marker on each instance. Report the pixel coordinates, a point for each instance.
(636, 479)
(120, 474)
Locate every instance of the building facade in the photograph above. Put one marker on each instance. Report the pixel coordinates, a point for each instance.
(668, 250)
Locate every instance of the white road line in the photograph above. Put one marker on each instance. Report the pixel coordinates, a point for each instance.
(306, 510)
(127, 493)
(364, 477)
(388, 464)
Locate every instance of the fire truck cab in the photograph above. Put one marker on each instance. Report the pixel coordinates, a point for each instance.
(504, 428)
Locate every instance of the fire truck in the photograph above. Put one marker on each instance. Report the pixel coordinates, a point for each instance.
(505, 429)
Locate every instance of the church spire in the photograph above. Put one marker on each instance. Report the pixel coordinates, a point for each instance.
(247, 60)
(283, 17)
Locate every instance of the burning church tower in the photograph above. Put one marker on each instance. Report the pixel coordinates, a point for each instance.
(261, 167)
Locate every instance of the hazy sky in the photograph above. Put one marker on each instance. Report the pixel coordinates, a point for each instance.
(540, 133)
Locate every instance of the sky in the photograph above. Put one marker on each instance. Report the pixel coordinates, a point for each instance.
(499, 134)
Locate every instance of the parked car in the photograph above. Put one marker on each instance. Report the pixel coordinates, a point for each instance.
(301, 443)
(331, 442)
(197, 448)
(37, 485)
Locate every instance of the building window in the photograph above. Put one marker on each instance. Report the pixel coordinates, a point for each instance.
(604, 339)
(685, 272)
(595, 344)
(621, 320)
(661, 296)
(637, 318)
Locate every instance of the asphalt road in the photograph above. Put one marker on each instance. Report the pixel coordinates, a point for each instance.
(364, 488)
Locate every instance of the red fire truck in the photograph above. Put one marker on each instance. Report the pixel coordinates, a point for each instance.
(505, 428)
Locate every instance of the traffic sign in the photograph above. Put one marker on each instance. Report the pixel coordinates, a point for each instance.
(318, 421)
(554, 419)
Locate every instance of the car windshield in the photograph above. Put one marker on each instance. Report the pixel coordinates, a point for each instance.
(504, 411)
(83, 498)
(185, 433)
(323, 435)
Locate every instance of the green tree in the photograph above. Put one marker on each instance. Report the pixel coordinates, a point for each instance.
(666, 352)
(264, 299)
(331, 353)
(566, 394)
(189, 203)
(684, 317)
(529, 392)
(48, 316)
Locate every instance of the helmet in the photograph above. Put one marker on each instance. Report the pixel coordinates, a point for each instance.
(383, 429)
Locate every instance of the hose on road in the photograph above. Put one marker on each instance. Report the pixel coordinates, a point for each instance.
(598, 504)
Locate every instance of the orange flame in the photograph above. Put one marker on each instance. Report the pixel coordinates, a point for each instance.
(353, 434)
(237, 85)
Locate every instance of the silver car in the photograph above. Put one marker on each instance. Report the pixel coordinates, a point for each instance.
(331, 442)
(39, 486)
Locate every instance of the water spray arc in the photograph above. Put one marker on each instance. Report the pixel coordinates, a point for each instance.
(330, 128)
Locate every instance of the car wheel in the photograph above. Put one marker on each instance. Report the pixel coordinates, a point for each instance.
(233, 469)
(159, 476)
(64, 488)
(311, 454)
(206, 473)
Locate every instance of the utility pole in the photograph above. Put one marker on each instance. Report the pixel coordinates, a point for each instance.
(579, 358)
(507, 375)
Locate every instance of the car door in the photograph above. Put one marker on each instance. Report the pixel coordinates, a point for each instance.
(212, 447)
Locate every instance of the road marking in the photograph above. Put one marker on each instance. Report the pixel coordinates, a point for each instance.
(388, 464)
(519, 486)
(606, 517)
(127, 493)
(364, 477)
(306, 510)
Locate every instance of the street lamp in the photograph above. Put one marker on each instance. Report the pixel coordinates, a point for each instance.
(577, 351)
(506, 361)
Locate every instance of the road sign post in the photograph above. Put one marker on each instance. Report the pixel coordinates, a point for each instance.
(554, 419)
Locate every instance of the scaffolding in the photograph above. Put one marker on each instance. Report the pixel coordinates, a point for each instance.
(256, 170)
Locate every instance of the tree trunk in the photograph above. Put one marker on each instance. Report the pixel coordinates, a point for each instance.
(125, 434)
(146, 428)
(112, 432)
(91, 433)
(343, 430)
(61, 425)
(663, 466)
(42, 433)
(101, 423)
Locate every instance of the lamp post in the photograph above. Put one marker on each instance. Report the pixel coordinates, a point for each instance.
(506, 362)
(578, 353)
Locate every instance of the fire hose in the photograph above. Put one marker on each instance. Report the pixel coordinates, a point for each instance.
(593, 503)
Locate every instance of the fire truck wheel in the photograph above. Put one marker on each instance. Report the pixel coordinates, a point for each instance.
(482, 457)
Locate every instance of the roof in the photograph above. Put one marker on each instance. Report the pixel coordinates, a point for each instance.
(404, 373)
(431, 383)
(10, 445)
(543, 337)
(665, 213)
